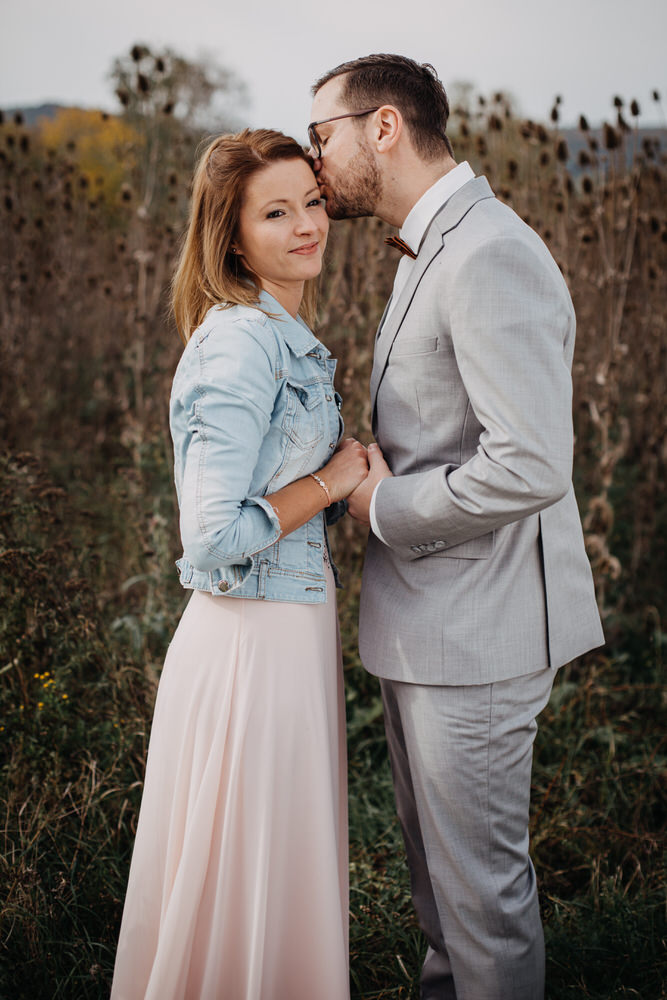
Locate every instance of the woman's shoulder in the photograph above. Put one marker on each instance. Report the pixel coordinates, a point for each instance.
(237, 326)
(224, 318)
(235, 336)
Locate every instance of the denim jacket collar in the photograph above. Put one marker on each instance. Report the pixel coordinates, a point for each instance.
(298, 337)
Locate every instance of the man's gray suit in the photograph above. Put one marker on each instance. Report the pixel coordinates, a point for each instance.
(482, 577)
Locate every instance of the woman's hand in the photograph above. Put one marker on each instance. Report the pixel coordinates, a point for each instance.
(297, 502)
(360, 501)
(346, 469)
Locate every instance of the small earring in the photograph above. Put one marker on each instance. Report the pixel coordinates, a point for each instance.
(233, 250)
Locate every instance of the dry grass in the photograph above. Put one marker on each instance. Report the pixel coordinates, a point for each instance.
(88, 534)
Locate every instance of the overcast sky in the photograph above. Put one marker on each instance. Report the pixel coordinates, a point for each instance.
(585, 50)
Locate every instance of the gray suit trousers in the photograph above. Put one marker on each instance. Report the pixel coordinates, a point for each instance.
(461, 758)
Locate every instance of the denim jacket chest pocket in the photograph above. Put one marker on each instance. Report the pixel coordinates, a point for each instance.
(303, 419)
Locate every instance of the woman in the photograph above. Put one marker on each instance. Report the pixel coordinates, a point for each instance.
(238, 883)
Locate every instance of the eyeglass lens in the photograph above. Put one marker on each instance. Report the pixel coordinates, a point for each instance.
(315, 141)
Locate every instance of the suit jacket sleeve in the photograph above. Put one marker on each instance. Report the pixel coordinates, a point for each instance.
(510, 318)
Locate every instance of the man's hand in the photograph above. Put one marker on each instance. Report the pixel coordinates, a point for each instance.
(346, 469)
(358, 503)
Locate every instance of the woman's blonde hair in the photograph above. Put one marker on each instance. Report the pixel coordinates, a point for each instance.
(208, 273)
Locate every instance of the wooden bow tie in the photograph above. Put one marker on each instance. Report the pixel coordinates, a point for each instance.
(396, 241)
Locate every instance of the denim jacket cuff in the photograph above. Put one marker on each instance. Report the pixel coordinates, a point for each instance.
(272, 516)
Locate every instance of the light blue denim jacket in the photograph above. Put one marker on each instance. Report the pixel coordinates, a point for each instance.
(252, 408)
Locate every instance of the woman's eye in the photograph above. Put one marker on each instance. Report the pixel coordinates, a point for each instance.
(275, 214)
(315, 203)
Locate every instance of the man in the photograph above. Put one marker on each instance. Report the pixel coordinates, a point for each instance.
(476, 585)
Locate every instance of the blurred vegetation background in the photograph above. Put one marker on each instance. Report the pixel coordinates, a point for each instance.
(93, 206)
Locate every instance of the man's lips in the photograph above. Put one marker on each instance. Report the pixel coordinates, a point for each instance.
(307, 248)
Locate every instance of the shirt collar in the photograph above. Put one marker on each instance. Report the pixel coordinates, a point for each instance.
(298, 336)
(430, 203)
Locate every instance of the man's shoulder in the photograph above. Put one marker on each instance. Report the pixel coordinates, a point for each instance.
(487, 223)
(489, 239)
(475, 209)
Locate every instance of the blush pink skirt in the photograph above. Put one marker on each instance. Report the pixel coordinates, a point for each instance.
(238, 887)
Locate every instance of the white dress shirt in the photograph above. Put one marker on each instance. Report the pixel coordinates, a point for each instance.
(412, 232)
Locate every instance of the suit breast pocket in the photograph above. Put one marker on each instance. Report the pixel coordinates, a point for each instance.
(413, 346)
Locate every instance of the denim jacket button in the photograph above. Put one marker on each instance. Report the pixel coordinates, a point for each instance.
(223, 586)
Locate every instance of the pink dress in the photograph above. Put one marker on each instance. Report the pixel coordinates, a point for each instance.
(238, 886)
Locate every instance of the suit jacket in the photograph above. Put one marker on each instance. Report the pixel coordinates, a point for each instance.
(483, 574)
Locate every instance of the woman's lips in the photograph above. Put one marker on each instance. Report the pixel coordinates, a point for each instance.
(307, 248)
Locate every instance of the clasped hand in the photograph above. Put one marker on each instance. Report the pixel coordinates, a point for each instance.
(353, 473)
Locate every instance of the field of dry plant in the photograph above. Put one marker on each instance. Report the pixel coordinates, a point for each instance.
(92, 208)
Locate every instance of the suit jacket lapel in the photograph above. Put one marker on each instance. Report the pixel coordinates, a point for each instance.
(431, 246)
(384, 313)
(449, 216)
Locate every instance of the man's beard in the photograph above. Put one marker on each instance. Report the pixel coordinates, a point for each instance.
(357, 196)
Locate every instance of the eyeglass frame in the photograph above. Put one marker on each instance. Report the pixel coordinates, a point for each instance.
(316, 142)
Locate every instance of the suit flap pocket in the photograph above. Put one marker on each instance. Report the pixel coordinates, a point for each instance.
(414, 345)
(475, 548)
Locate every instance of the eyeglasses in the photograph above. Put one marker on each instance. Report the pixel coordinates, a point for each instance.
(313, 137)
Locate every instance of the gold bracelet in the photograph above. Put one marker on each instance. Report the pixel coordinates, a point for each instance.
(320, 482)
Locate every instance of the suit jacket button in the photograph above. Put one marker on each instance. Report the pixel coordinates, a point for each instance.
(223, 586)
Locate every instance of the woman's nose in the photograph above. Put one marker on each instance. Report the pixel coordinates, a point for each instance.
(305, 223)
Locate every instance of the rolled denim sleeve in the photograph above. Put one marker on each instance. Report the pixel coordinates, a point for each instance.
(228, 399)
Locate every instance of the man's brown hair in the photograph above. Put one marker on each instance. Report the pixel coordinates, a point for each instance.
(414, 88)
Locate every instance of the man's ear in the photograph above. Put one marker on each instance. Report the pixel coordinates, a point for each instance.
(388, 124)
